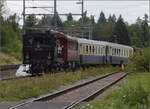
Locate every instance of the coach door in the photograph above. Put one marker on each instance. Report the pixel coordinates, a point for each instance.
(107, 55)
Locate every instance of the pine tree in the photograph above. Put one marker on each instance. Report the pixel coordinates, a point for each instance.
(102, 19)
(59, 22)
(31, 21)
(2, 8)
(145, 37)
(114, 18)
(92, 20)
(120, 32)
(69, 17)
(139, 21)
(46, 21)
(110, 18)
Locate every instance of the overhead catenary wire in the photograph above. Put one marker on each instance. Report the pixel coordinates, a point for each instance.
(77, 0)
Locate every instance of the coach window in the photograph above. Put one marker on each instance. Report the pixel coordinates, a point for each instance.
(81, 50)
(124, 53)
(113, 51)
(101, 50)
(96, 50)
(89, 49)
(86, 49)
(116, 51)
(119, 52)
(128, 53)
(83, 46)
(93, 49)
(110, 51)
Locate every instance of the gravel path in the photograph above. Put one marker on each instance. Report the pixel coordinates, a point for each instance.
(115, 86)
(86, 90)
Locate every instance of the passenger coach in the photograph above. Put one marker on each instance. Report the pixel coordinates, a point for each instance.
(101, 52)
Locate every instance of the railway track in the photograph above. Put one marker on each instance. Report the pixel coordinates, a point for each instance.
(9, 67)
(7, 72)
(79, 93)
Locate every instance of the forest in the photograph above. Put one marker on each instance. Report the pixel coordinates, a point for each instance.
(110, 29)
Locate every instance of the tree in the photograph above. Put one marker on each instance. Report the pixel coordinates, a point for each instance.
(120, 32)
(102, 19)
(13, 21)
(135, 35)
(2, 7)
(139, 21)
(31, 21)
(45, 21)
(92, 20)
(69, 17)
(112, 19)
(59, 22)
(145, 29)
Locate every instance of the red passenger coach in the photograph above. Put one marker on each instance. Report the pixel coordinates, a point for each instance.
(72, 49)
(69, 47)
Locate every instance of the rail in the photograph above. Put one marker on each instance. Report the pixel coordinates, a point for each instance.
(51, 97)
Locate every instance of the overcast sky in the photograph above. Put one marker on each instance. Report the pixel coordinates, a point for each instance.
(129, 10)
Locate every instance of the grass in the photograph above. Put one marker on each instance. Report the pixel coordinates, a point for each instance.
(6, 59)
(132, 95)
(16, 90)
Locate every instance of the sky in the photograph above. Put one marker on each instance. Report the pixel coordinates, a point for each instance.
(129, 10)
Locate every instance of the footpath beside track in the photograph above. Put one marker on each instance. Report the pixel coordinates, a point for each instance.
(9, 67)
(76, 94)
(7, 72)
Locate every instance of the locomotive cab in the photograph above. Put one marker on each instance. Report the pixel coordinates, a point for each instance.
(38, 51)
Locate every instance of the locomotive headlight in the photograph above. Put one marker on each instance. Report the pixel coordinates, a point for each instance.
(27, 56)
(49, 56)
(38, 45)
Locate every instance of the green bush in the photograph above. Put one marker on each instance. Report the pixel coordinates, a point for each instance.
(140, 62)
(11, 42)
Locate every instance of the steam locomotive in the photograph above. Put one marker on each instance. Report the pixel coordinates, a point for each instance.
(48, 50)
